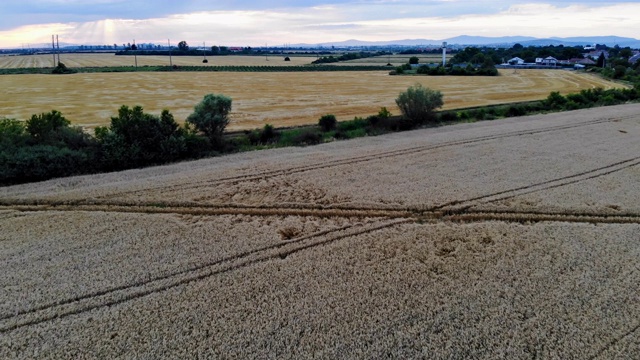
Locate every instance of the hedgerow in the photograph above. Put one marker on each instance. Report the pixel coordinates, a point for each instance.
(47, 146)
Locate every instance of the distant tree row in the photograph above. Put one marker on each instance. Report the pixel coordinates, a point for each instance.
(477, 55)
(348, 56)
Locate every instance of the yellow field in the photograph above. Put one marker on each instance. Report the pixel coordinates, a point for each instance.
(281, 99)
(101, 60)
(510, 239)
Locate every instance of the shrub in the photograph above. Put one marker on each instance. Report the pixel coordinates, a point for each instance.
(12, 133)
(418, 103)
(355, 133)
(211, 117)
(136, 138)
(267, 135)
(449, 116)
(516, 110)
(62, 69)
(384, 113)
(307, 137)
(41, 162)
(356, 123)
(555, 101)
(327, 122)
(41, 127)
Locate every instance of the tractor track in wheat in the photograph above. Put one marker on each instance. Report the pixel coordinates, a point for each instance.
(358, 159)
(120, 294)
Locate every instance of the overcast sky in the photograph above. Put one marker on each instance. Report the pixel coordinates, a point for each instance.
(278, 22)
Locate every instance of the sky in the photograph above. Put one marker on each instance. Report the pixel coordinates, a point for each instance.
(278, 22)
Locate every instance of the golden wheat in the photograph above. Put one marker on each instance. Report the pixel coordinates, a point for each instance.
(102, 60)
(502, 239)
(281, 99)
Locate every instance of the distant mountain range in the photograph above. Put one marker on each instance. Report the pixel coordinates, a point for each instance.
(505, 41)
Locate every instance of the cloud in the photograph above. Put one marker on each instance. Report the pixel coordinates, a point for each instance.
(335, 21)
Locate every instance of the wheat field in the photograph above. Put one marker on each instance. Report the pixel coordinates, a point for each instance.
(103, 60)
(280, 99)
(511, 239)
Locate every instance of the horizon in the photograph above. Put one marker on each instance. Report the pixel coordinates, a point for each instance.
(31, 23)
(479, 41)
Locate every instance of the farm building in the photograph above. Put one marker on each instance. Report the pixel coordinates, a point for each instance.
(582, 61)
(548, 61)
(596, 54)
(516, 61)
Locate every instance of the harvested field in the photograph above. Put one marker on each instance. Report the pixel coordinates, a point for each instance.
(510, 239)
(102, 60)
(280, 99)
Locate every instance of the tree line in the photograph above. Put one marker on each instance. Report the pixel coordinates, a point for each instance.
(47, 146)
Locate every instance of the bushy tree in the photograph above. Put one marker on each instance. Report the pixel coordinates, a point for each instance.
(327, 122)
(418, 103)
(183, 46)
(62, 69)
(414, 60)
(555, 101)
(43, 147)
(12, 133)
(211, 117)
(41, 126)
(136, 138)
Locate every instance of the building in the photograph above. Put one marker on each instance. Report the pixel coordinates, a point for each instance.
(515, 61)
(582, 61)
(548, 61)
(596, 54)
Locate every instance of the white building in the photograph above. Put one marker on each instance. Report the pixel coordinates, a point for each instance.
(516, 61)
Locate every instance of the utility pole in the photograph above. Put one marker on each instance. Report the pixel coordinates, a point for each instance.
(170, 59)
(204, 52)
(135, 53)
(58, 44)
(53, 49)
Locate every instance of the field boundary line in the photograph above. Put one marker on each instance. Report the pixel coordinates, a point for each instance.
(546, 185)
(213, 210)
(525, 217)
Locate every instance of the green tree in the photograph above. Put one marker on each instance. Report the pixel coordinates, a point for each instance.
(601, 60)
(43, 147)
(418, 103)
(478, 58)
(555, 101)
(135, 138)
(12, 133)
(626, 53)
(183, 46)
(414, 60)
(211, 117)
(327, 122)
(619, 71)
(41, 127)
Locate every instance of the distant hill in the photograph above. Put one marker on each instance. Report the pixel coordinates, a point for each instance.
(504, 41)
